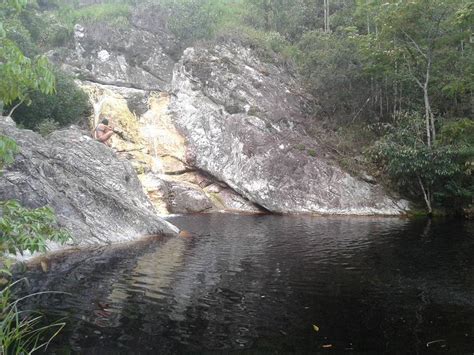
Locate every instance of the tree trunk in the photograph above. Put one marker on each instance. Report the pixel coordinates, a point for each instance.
(326, 16)
(430, 126)
(427, 116)
(426, 195)
(14, 108)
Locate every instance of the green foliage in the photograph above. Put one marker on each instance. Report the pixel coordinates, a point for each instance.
(20, 35)
(331, 65)
(31, 80)
(68, 105)
(425, 35)
(8, 149)
(290, 18)
(459, 132)
(21, 332)
(192, 20)
(19, 75)
(46, 127)
(115, 13)
(22, 229)
(17, 4)
(44, 29)
(443, 172)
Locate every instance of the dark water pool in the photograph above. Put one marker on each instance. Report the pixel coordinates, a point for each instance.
(271, 284)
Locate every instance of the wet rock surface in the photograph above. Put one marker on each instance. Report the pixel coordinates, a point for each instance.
(95, 195)
(244, 124)
(157, 151)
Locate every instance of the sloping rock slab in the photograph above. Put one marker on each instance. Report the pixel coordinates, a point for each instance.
(96, 196)
(244, 123)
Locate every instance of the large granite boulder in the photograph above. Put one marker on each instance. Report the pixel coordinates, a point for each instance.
(95, 195)
(245, 124)
(139, 56)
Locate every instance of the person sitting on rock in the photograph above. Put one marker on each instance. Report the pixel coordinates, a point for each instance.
(103, 132)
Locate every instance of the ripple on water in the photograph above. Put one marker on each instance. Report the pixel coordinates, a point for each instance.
(261, 282)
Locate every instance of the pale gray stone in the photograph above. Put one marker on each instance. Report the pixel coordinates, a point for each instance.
(253, 136)
(95, 195)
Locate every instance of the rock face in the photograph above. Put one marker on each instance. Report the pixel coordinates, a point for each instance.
(234, 137)
(244, 124)
(138, 57)
(157, 151)
(95, 195)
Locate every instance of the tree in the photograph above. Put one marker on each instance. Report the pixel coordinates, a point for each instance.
(413, 34)
(20, 75)
(439, 172)
(331, 65)
(67, 105)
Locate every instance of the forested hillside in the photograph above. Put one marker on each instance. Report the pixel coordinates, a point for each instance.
(390, 82)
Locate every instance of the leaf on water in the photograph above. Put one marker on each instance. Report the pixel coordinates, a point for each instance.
(428, 344)
(327, 346)
(316, 328)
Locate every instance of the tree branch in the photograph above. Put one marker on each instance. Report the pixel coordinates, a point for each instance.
(413, 75)
(426, 194)
(417, 47)
(14, 108)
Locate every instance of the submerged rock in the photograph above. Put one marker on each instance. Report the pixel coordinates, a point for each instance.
(245, 124)
(95, 195)
(185, 198)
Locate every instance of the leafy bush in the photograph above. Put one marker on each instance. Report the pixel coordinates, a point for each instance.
(69, 104)
(45, 29)
(46, 127)
(18, 33)
(459, 132)
(22, 229)
(440, 174)
(21, 74)
(114, 13)
(8, 149)
(191, 20)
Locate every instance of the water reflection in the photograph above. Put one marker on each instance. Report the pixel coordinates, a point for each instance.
(260, 283)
